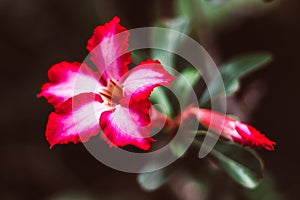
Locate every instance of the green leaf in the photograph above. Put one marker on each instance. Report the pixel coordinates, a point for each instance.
(192, 9)
(241, 164)
(159, 98)
(243, 65)
(177, 149)
(220, 12)
(138, 56)
(169, 40)
(152, 180)
(232, 72)
(184, 8)
(183, 84)
(266, 190)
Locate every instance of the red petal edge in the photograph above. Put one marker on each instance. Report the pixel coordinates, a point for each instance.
(85, 109)
(63, 77)
(138, 85)
(255, 138)
(113, 58)
(120, 130)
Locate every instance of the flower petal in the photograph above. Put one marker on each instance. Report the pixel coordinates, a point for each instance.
(67, 80)
(119, 129)
(139, 83)
(109, 51)
(76, 120)
(141, 109)
(252, 137)
(144, 78)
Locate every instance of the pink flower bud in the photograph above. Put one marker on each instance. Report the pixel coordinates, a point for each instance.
(231, 129)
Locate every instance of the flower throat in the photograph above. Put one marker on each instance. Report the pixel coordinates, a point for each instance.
(112, 93)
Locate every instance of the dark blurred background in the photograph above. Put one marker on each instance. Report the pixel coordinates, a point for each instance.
(36, 34)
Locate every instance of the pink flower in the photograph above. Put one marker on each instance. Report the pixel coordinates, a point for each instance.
(112, 99)
(230, 128)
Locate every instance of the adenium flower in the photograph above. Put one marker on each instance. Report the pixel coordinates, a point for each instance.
(112, 99)
(230, 128)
